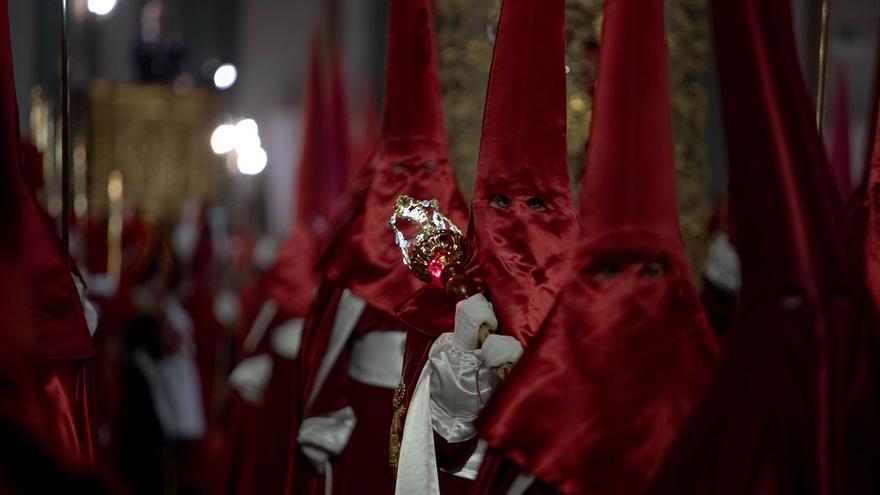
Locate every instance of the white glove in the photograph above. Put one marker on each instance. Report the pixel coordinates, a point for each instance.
(322, 437)
(460, 385)
(251, 377)
(469, 315)
(499, 349)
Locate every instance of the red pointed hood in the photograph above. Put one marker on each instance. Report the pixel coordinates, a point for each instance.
(840, 156)
(625, 353)
(339, 140)
(628, 191)
(54, 304)
(786, 405)
(371, 119)
(292, 280)
(523, 221)
(21, 403)
(312, 186)
(789, 230)
(411, 159)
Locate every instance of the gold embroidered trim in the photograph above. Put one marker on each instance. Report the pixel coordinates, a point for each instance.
(397, 425)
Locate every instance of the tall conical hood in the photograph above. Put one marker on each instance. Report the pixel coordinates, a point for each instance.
(523, 220)
(788, 216)
(53, 302)
(412, 121)
(340, 138)
(370, 117)
(625, 353)
(292, 280)
(840, 140)
(411, 159)
(628, 187)
(312, 185)
(787, 412)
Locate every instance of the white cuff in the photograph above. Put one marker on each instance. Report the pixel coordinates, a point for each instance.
(287, 338)
(89, 310)
(722, 264)
(321, 437)
(251, 377)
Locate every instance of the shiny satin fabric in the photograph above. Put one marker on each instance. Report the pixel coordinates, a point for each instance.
(69, 387)
(321, 173)
(258, 438)
(362, 255)
(626, 352)
(428, 314)
(364, 462)
(789, 411)
(523, 222)
(411, 158)
(319, 187)
(869, 226)
(292, 281)
(620, 362)
(53, 303)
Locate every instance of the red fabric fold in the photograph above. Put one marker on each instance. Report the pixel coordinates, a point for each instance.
(411, 158)
(626, 352)
(50, 301)
(789, 409)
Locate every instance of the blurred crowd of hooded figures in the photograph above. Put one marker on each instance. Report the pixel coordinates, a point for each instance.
(216, 362)
(194, 299)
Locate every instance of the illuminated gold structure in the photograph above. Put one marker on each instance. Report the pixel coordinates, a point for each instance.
(158, 138)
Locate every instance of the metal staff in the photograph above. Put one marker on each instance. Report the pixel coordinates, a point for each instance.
(438, 253)
(65, 130)
(823, 63)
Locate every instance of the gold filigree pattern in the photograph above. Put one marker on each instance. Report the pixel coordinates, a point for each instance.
(397, 425)
(158, 138)
(690, 59)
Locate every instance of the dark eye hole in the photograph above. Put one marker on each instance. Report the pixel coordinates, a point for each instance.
(608, 271)
(500, 202)
(429, 165)
(792, 299)
(654, 269)
(398, 167)
(536, 204)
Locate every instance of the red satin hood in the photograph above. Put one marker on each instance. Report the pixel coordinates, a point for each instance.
(626, 353)
(53, 303)
(522, 252)
(791, 408)
(411, 159)
(620, 363)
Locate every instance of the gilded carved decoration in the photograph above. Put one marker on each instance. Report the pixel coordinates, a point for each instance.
(690, 59)
(157, 137)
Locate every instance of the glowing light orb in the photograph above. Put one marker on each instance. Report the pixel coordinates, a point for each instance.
(101, 7)
(224, 139)
(225, 76)
(251, 160)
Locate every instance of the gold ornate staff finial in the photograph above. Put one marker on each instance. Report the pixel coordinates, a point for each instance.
(437, 250)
